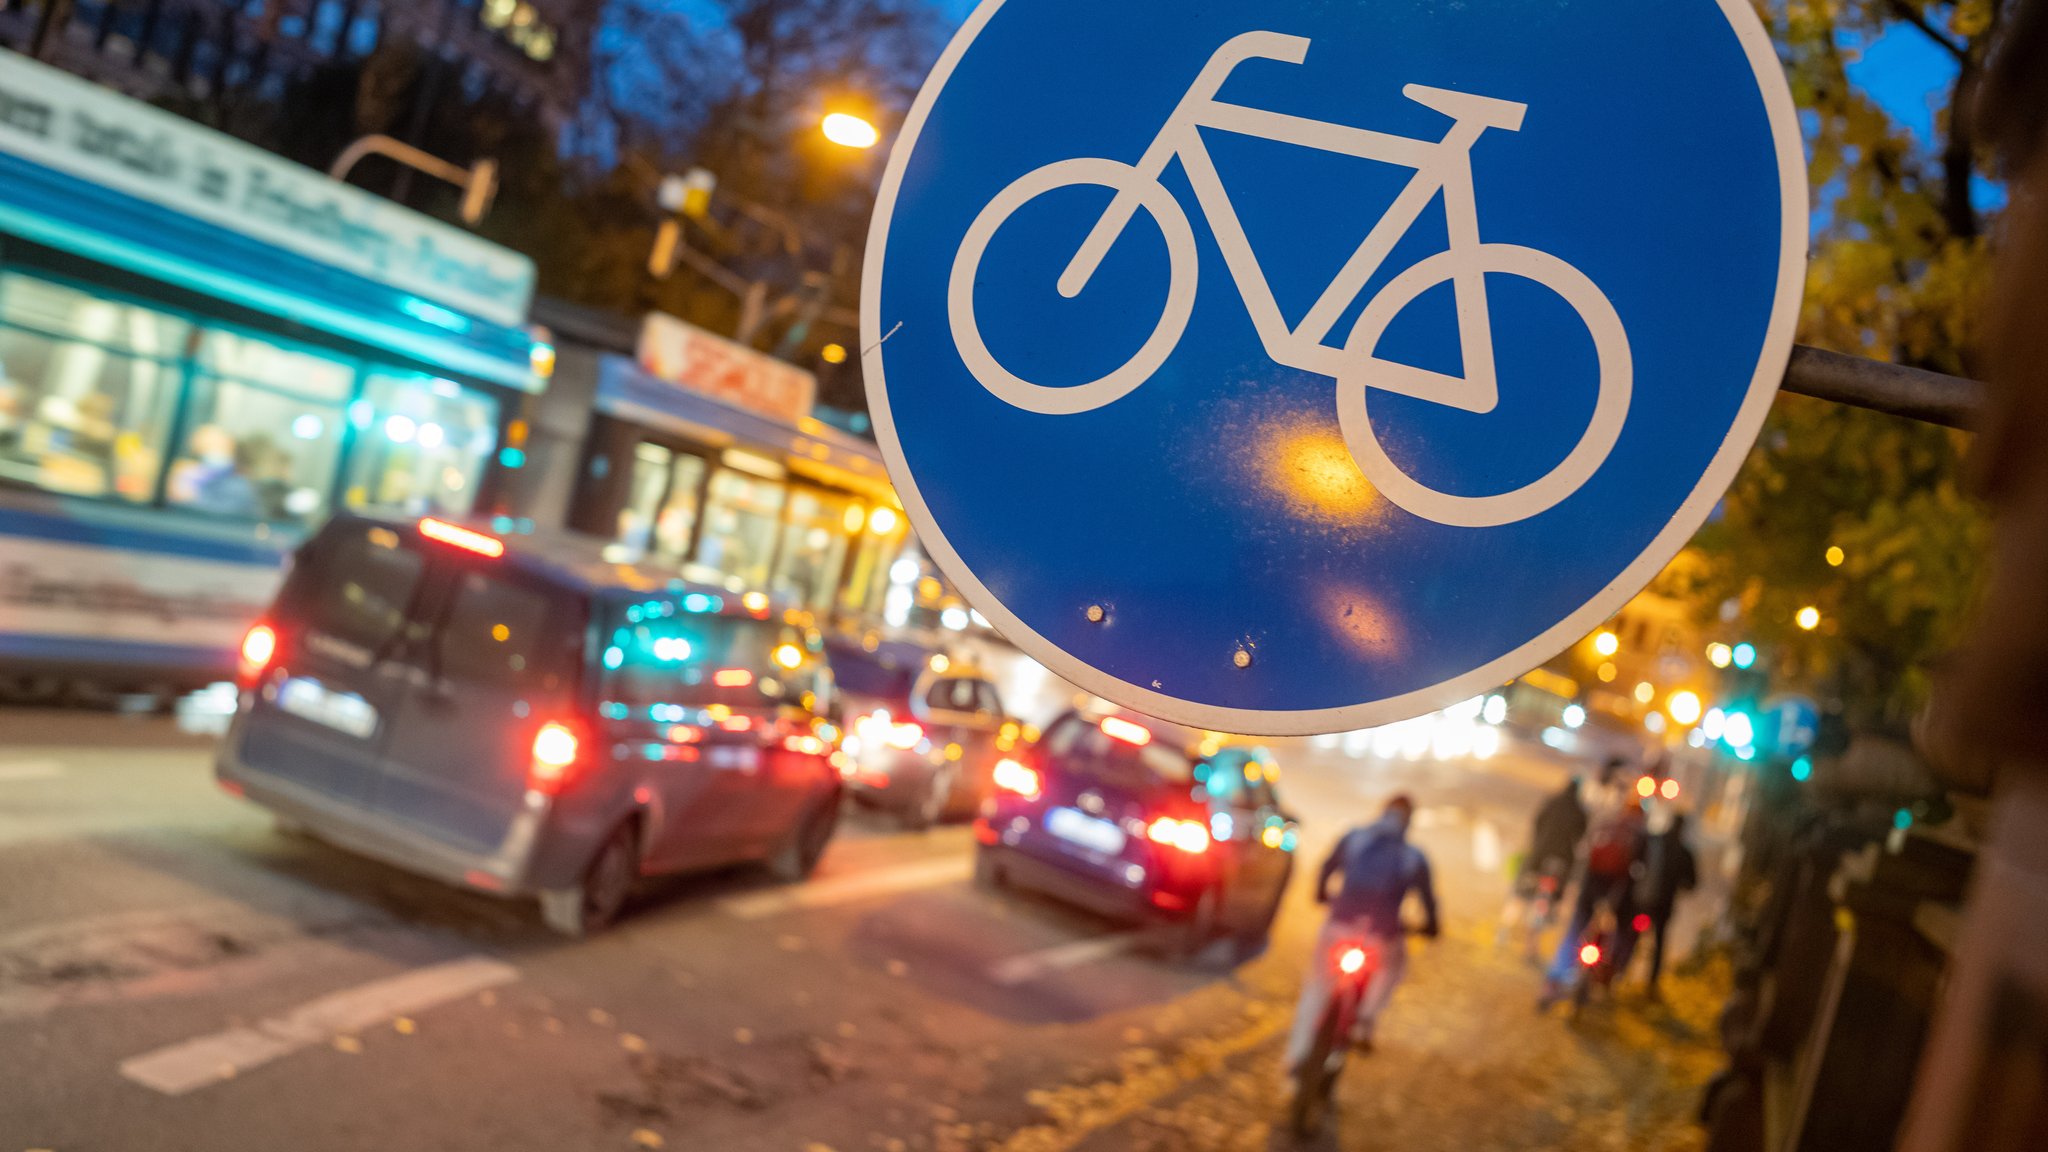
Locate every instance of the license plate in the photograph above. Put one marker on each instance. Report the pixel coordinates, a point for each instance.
(341, 711)
(1077, 827)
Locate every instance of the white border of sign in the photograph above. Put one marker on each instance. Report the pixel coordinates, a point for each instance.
(1763, 389)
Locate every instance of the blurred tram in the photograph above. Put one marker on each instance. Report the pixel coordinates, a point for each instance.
(206, 349)
(201, 361)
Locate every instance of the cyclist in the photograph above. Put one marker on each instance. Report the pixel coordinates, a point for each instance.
(1539, 883)
(1380, 868)
(1614, 852)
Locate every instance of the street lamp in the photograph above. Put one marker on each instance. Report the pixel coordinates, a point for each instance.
(850, 131)
(1808, 618)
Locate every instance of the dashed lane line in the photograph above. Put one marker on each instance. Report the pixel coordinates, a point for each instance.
(861, 886)
(12, 771)
(1031, 965)
(207, 1060)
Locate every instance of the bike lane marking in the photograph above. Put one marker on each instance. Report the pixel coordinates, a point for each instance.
(204, 1061)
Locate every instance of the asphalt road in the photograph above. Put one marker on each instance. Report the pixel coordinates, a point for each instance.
(176, 974)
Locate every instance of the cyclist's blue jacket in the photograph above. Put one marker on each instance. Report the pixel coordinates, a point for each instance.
(1380, 868)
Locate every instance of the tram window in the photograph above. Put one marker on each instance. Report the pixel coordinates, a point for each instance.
(87, 389)
(651, 466)
(265, 431)
(813, 548)
(679, 515)
(740, 524)
(421, 445)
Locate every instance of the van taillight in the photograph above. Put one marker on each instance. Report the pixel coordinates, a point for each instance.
(554, 755)
(257, 649)
(1011, 776)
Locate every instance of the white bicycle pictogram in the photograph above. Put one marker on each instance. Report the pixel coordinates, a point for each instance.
(1440, 166)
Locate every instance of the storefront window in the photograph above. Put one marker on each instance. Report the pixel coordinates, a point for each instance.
(651, 466)
(741, 520)
(814, 547)
(264, 431)
(421, 444)
(87, 389)
(679, 512)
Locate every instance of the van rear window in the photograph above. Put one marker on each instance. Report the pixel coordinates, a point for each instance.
(355, 583)
(652, 657)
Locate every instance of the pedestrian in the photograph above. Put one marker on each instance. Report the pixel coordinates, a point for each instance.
(1669, 871)
(1380, 868)
(1615, 842)
(1546, 868)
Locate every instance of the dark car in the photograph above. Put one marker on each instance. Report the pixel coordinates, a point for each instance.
(923, 733)
(1143, 820)
(517, 716)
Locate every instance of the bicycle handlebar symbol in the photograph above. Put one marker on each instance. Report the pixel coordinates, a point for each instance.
(1440, 166)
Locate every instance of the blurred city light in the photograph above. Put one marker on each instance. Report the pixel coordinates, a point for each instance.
(1684, 707)
(855, 519)
(1607, 672)
(1655, 723)
(1574, 716)
(1645, 692)
(882, 521)
(1836, 557)
(850, 131)
(1606, 643)
(954, 619)
(1496, 710)
(833, 353)
(1808, 618)
(1714, 723)
(1720, 655)
(1740, 731)
(1802, 769)
(1744, 655)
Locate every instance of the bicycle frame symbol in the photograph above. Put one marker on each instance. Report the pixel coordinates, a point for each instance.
(1441, 166)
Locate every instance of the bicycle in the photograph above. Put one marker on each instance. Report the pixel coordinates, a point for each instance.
(1441, 166)
(1354, 963)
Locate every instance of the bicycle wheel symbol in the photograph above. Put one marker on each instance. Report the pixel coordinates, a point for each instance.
(1442, 167)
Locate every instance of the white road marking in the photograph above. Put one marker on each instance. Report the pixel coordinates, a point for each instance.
(1030, 966)
(849, 889)
(209, 1060)
(1486, 855)
(12, 770)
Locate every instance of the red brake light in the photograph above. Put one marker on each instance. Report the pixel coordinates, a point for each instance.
(1011, 776)
(1118, 728)
(257, 649)
(1641, 922)
(1187, 835)
(1352, 961)
(906, 735)
(732, 677)
(1589, 955)
(460, 537)
(554, 754)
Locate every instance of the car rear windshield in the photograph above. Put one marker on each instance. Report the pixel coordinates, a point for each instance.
(353, 582)
(660, 652)
(862, 673)
(1080, 746)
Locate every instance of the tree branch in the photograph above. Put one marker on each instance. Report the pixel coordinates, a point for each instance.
(1904, 10)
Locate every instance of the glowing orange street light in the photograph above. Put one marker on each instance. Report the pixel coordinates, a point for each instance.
(850, 131)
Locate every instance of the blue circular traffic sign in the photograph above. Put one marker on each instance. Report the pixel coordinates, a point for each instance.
(1279, 366)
